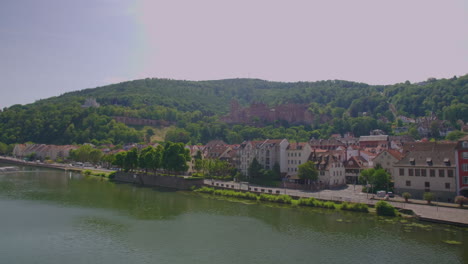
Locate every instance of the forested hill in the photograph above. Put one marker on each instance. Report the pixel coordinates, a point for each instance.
(213, 97)
(195, 107)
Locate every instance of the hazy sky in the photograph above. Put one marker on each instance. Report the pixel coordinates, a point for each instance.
(49, 47)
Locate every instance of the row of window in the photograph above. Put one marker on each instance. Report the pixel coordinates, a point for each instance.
(292, 169)
(465, 155)
(423, 172)
(428, 184)
(294, 154)
(294, 162)
(465, 166)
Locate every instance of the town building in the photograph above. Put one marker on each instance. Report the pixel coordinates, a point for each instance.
(461, 156)
(374, 141)
(353, 167)
(331, 171)
(43, 151)
(297, 154)
(387, 159)
(327, 144)
(427, 167)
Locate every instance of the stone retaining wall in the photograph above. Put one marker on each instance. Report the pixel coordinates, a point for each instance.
(174, 182)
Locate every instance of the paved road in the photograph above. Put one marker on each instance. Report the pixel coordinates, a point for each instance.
(353, 193)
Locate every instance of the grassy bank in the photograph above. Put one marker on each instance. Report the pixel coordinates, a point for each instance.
(286, 199)
(97, 173)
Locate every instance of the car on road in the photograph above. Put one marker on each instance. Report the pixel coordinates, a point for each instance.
(380, 193)
(391, 194)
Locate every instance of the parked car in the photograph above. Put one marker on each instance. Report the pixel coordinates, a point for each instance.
(381, 193)
(390, 194)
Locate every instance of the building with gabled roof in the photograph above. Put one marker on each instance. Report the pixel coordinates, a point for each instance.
(353, 167)
(387, 159)
(427, 167)
(331, 171)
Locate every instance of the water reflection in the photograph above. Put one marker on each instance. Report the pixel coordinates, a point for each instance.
(333, 227)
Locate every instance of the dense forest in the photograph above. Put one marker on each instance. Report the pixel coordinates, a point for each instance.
(195, 108)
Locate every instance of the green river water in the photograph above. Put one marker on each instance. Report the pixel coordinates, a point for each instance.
(52, 216)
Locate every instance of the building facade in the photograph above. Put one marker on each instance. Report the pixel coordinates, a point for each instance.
(429, 167)
(461, 154)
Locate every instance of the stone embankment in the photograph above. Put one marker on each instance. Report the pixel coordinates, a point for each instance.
(152, 180)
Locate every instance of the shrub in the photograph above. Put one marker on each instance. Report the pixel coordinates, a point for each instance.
(406, 195)
(87, 172)
(355, 207)
(460, 200)
(206, 190)
(329, 205)
(428, 196)
(384, 208)
(307, 201)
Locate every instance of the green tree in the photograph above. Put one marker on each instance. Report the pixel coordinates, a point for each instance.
(146, 158)
(379, 179)
(276, 171)
(149, 134)
(455, 135)
(175, 157)
(308, 172)
(131, 159)
(3, 148)
(254, 169)
(119, 159)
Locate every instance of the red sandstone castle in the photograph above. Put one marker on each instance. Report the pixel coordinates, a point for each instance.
(291, 113)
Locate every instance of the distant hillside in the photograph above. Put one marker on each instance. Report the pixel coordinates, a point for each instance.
(195, 106)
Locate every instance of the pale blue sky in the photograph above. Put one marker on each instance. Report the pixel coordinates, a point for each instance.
(49, 47)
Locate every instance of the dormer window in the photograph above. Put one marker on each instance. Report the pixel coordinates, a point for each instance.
(429, 161)
(412, 161)
(447, 162)
(465, 144)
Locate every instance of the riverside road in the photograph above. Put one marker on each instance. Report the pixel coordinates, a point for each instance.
(353, 194)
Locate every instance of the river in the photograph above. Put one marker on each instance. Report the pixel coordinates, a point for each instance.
(52, 216)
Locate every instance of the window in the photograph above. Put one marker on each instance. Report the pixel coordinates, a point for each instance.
(465, 167)
(410, 172)
(427, 184)
(299, 162)
(417, 172)
(465, 144)
(423, 172)
(432, 173)
(299, 154)
(441, 173)
(465, 180)
(450, 173)
(408, 183)
(322, 173)
(402, 172)
(465, 155)
(447, 185)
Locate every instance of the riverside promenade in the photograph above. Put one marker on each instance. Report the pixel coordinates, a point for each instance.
(437, 212)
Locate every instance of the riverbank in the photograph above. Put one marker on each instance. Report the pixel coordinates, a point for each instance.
(285, 199)
(429, 213)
